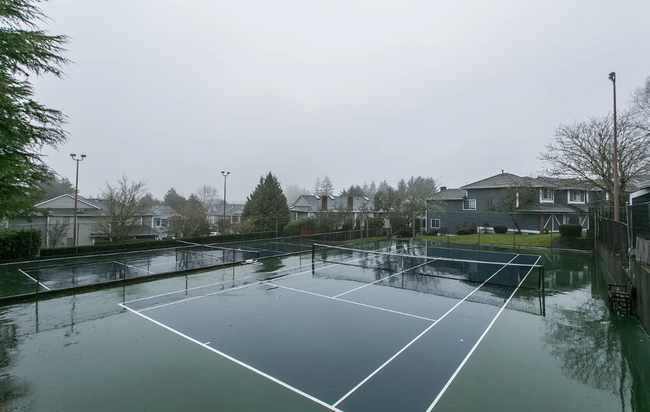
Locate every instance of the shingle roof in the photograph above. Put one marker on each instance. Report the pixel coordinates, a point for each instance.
(449, 194)
(333, 203)
(504, 180)
(548, 208)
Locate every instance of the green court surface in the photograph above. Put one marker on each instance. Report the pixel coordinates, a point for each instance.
(85, 352)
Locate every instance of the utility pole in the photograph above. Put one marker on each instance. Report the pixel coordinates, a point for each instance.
(612, 77)
(225, 176)
(76, 197)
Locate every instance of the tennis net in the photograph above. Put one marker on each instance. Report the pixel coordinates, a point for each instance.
(218, 254)
(510, 271)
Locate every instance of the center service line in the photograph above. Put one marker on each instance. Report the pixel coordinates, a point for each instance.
(444, 388)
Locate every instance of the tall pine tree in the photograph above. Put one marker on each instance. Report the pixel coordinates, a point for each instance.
(25, 124)
(266, 208)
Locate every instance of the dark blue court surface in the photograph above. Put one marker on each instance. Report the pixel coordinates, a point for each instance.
(351, 338)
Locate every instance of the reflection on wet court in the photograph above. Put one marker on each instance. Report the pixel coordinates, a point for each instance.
(386, 328)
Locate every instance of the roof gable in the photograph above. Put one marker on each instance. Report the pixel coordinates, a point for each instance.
(66, 202)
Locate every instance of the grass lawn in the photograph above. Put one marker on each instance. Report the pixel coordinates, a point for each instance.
(500, 239)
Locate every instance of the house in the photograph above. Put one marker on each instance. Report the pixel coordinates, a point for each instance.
(549, 202)
(307, 206)
(157, 217)
(55, 218)
(233, 213)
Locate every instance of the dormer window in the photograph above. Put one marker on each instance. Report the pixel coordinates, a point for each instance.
(546, 195)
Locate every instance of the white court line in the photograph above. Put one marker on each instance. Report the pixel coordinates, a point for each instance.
(394, 274)
(354, 303)
(134, 267)
(444, 389)
(204, 286)
(237, 361)
(36, 281)
(418, 337)
(227, 290)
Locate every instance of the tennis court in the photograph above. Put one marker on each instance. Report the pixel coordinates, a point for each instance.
(66, 273)
(406, 327)
(315, 326)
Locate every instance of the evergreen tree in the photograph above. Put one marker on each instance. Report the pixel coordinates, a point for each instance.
(326, 187)
(173, 199)
(266, 208)
(26, 125)
(148, 200)
(55, 187)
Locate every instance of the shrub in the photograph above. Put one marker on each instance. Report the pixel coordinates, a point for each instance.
(500, 229)
(466, 230)
(19, 244)
(432, 232)
(571, 230)
(293, 228)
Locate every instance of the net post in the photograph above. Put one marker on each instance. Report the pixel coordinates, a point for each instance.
(313, 253)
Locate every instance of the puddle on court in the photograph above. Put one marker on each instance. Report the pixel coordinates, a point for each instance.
(83, 352)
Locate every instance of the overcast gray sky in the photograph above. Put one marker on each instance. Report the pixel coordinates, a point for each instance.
(176, 91)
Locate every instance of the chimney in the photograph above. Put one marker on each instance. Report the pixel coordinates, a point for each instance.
(323, 203)
(350, 206)
(443, 188)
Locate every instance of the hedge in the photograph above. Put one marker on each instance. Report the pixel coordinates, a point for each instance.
(19, 244)
(500, 229)
(571, 230)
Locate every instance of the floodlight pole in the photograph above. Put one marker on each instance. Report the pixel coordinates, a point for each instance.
(225, 176)
(612, 77)
(76, 196)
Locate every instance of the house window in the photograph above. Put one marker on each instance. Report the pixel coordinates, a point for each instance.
(576, 196)
(69, 242)
(469, 204)
(435, 223)
(156, 222)
(546, 195)
(66, 221)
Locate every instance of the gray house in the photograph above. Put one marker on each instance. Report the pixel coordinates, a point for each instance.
(554, 202)
(55, 218)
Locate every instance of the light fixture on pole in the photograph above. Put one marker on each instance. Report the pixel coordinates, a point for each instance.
(225, 176)
(612, 77)
(76, 197)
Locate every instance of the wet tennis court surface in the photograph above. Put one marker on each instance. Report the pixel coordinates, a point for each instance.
(351, 334)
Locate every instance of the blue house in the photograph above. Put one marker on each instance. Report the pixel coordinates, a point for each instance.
(555, 202)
